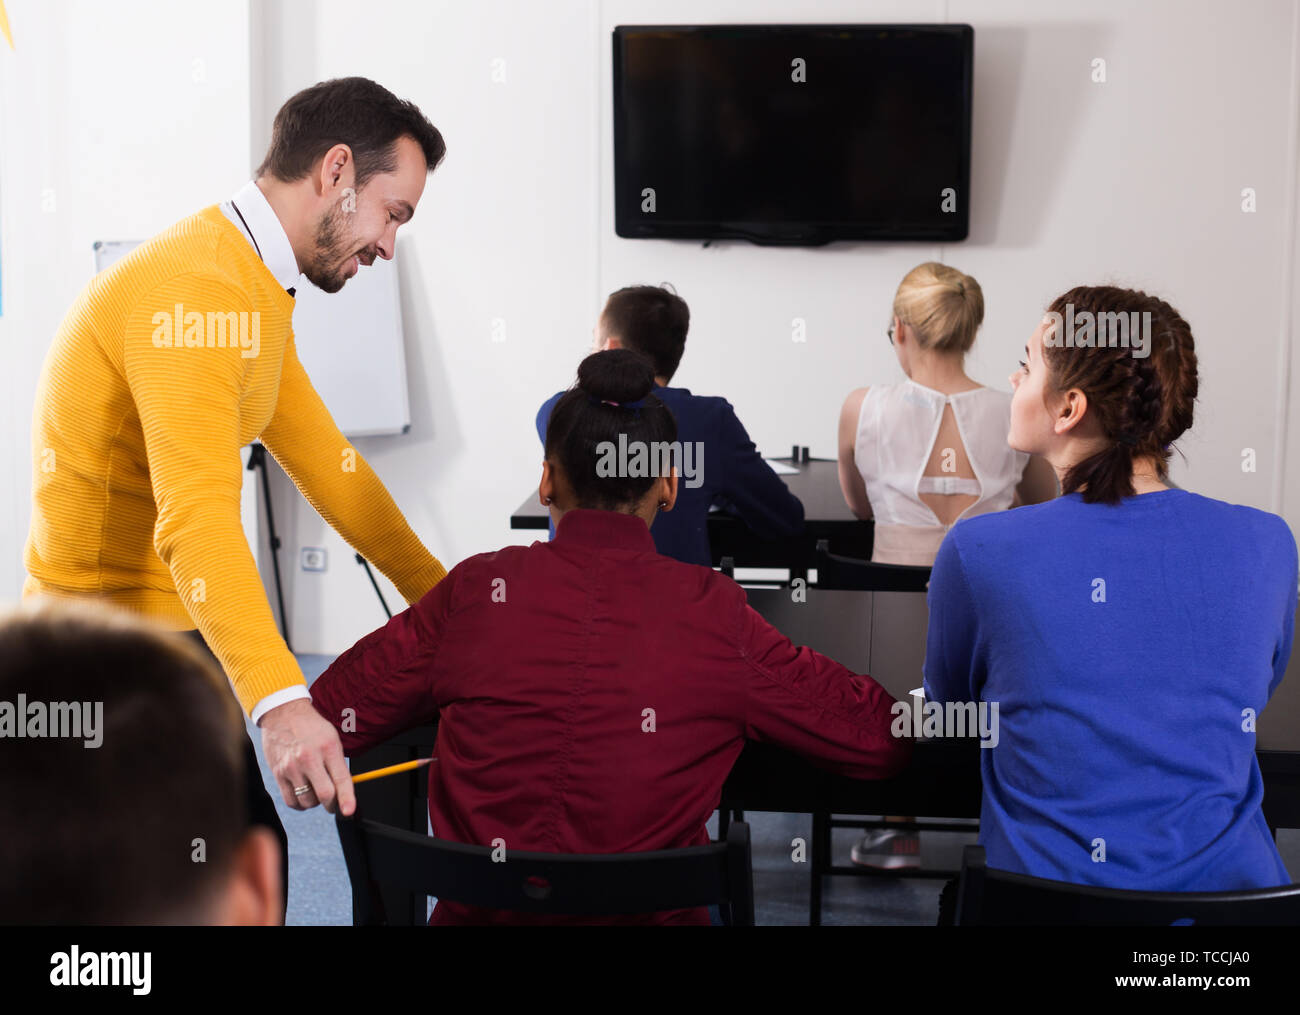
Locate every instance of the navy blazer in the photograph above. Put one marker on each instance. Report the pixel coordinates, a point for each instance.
(734, 477)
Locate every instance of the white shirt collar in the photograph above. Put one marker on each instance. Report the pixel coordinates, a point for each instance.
(262, 228)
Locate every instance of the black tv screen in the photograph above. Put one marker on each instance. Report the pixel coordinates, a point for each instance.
(792, 134)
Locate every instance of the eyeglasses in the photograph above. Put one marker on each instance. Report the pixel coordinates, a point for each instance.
(890, 333)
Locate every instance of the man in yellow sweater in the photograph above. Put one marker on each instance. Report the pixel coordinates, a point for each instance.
(183, 352)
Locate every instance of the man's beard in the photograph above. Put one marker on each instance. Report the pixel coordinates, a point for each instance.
(325, 271)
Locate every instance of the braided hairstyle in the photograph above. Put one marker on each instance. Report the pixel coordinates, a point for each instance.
(582, 420)
(1143, 404)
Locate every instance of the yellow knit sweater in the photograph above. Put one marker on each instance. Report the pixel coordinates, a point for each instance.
(168, 363)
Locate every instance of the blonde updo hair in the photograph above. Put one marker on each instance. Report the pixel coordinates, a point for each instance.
(943, 306)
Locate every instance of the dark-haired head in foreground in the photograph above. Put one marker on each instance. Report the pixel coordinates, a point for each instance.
(1106, 415)
(592, 416)
(144, 822)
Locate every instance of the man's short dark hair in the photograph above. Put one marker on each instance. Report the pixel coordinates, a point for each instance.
(357, 112)
(651, 320)
(107, 835)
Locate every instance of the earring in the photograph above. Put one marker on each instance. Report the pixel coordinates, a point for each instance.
(663, 504)
(548, 500)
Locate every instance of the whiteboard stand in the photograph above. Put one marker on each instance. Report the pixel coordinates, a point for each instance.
(256, 462)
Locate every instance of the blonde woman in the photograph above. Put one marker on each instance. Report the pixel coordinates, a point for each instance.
(923, 453)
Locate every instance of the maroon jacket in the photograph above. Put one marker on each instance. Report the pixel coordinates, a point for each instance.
(593, 697)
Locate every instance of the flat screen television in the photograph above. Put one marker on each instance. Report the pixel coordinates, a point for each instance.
(792, 134)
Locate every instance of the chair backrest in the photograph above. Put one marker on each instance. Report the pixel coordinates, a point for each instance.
(612, 884)
(836, 572)
(990, 897)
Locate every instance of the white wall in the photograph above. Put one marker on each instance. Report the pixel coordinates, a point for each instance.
(116, 119)
(1136, 181)
(506, 229)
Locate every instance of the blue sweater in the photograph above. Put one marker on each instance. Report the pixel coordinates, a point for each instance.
(1123, 706)
(734, 477)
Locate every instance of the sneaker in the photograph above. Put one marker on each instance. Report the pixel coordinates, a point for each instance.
(888, 850)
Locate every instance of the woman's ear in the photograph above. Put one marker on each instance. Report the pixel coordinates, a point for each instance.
(902, 348)
(546, 489)
(1071, 412)
(668, 490)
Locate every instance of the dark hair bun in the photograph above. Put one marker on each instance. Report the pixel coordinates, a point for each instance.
(619, 375)
(580, 426)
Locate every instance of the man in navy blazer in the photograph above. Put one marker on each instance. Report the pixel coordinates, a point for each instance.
(730, 473)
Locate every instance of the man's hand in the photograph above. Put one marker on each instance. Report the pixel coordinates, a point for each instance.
(304, 750)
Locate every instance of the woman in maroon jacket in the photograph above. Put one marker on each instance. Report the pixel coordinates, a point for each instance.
(592, 694)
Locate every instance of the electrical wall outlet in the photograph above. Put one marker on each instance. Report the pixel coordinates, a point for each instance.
(314, 558)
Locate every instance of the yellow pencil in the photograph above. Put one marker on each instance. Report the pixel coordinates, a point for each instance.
(379, 773)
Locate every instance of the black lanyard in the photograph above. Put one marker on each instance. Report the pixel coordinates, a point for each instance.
(292, 289)
(249, 231)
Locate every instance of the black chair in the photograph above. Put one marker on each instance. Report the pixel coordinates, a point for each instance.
(577, 885)
(836, 572)
(990, 897)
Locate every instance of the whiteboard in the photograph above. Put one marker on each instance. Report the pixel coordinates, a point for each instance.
(350, 342)
(109, 252)
(352, 347)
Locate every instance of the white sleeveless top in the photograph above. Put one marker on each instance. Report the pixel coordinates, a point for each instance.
(897, 428)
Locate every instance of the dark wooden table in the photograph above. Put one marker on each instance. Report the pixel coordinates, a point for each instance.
(826, 516)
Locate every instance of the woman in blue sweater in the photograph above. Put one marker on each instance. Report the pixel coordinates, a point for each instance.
(1129, 632)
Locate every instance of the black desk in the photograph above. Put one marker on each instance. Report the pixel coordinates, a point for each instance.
(880, 633)
(883, 634)
(826, 516)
